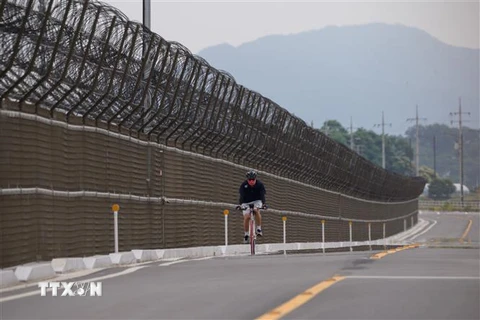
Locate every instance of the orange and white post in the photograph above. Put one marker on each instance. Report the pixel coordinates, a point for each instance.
(115, 209)
(284, 219)
(323, 236)
(225, 213)
(350, 227)
(370, 235)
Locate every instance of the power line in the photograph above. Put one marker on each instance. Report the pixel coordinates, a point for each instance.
(417, 157)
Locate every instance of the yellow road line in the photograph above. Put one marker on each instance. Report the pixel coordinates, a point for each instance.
(467, 230)
(299, 300)
(382, 254)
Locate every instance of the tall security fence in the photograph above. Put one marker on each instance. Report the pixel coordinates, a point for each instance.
(96, 109)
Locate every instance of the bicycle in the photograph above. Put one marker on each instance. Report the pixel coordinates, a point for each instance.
(251, 225)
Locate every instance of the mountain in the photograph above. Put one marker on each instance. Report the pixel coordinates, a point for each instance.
(358, 71)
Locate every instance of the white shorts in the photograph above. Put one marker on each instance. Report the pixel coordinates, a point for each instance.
(256, 204)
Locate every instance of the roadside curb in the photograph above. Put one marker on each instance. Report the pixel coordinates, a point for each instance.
(61, 266)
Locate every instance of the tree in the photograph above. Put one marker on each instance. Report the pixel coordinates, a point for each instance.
(440, 189)
(335, 130)
(427, 173)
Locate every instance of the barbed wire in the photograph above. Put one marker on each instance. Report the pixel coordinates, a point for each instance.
(86, 59)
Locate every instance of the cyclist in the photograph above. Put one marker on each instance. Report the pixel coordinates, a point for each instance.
(252, 190)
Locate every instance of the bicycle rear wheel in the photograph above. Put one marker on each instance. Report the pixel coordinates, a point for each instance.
(252, 237)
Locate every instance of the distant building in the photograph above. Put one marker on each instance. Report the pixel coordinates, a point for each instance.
(457, 189)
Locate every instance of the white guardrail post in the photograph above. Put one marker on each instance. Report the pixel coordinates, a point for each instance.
(370, 235)
(225, 213)
(350, 227)
(323, 236)
(384, 238)
(284, 219)
(115, 209)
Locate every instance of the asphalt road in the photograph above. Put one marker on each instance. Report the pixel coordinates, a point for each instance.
(438, 280)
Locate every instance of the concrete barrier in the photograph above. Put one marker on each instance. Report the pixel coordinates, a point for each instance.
(122, 258)
(62, 265)
(235, 249)
(34, 271)
(275, 247)
(145, 255)
(160, 253)
(97, 262)
(8, 278)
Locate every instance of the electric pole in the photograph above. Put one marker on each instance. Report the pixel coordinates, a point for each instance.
(460, 143)
(351, 134)
(417, 147)
(147, 13)
(434, 157)
(383, 138)
(352, 143)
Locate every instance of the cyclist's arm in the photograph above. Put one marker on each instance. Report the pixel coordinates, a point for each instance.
(242, 194)
(262, 193)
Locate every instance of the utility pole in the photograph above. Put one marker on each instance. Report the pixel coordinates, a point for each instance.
(417, 147)
(351, 134)
(147, 14)
(383, 138)
(434, 156)
(352, 143)
(460, 143)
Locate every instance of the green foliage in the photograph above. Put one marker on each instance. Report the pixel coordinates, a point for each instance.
(368, 144)
(447, 152)
(427, 173)
(399, 154)
(440, 189)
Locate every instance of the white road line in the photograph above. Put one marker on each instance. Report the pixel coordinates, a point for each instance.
(413, 277)
(180, 261)
(425, 231)
(418, 228)
(37, 292)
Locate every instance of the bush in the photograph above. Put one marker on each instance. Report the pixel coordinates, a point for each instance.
(440, 189)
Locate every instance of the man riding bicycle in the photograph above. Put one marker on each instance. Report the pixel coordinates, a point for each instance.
(252, 190)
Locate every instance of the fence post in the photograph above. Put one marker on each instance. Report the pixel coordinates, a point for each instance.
(350, 227)
(384, 238)
(411, 218)
(404, 225)
(225, 213)
(115, 209)
(323, 236)
(370, 235)
(284, 219)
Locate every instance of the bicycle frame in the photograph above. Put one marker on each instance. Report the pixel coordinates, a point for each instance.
(253, 234)
(251, 228)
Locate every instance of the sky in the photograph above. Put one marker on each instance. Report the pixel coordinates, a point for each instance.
(199, 24)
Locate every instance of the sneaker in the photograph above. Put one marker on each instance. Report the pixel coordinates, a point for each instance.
(259, 232)
(245, 239)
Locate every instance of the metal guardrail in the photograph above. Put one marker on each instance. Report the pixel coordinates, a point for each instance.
(449, 204)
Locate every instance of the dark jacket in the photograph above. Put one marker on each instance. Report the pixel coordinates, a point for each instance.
(249, 194)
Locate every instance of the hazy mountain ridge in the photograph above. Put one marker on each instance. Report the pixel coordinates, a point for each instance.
(358, 71)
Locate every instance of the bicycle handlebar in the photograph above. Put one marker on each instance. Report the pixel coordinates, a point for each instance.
(251, 206)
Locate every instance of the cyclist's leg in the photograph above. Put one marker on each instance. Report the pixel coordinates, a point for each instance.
(246, 219)
(258, 217)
